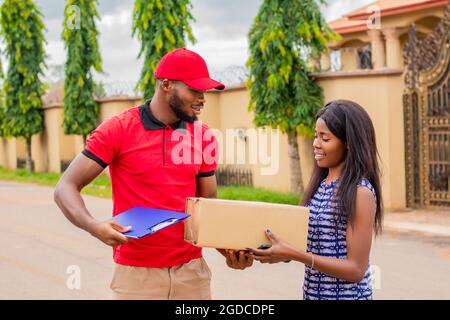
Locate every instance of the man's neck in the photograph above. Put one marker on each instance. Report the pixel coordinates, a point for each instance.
(161, 111)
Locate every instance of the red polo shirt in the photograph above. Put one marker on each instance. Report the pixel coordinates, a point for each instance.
(153, 165)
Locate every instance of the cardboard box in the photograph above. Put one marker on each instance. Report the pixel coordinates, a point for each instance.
(228, 224)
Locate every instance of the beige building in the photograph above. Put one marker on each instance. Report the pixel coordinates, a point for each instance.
(366, 66)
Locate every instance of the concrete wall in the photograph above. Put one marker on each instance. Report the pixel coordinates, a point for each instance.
(53, 128)
(381, 95)
(8, 153)
(20, 148)
(349, 58)
(115, 105)
(228, 110)
(39, 152)
(52, 146)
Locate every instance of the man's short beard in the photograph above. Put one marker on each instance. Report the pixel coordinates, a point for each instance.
(176, 105)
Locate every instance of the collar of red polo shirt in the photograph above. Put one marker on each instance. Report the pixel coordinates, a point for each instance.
(188, 67)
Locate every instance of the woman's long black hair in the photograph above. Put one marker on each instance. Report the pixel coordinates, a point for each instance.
(349, 122)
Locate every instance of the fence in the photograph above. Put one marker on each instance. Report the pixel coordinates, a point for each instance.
(233, 175)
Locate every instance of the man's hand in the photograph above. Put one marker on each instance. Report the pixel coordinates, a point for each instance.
(109, 232)
(237, 260)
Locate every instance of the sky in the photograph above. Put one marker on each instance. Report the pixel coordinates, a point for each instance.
(220, 28)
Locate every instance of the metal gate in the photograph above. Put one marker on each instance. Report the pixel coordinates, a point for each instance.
(426, 103)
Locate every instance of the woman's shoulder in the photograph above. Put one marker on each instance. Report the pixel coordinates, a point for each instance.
(365, 183)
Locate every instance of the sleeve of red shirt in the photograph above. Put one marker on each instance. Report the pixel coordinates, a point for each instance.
(104, 142)
(210, 150)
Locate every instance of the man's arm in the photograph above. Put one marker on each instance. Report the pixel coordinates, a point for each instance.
(67, 196)
(207, 188)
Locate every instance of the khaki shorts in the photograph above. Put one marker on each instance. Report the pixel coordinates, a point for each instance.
(189, 281)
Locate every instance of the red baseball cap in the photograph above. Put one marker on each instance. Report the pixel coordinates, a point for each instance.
(188, 67)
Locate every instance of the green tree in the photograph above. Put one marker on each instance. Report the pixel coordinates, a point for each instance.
(286, 36)
(161, 26)
(22, 30)
(80, 37)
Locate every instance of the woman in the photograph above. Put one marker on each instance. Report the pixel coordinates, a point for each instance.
(344, 197)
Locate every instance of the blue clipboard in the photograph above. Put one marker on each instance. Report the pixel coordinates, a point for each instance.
(146, 221)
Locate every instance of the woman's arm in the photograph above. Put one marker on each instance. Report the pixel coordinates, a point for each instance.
(359, 241)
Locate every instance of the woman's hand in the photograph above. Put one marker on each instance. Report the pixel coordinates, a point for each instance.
(278, 252)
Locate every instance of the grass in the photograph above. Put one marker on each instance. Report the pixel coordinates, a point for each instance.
(256, 194)
(100, 187)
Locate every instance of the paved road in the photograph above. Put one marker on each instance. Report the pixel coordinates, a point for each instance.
(41, 252)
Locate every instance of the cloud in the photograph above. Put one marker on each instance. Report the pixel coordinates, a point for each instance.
(221, 29)
(118, 49)
(54, 9)
(224, 19)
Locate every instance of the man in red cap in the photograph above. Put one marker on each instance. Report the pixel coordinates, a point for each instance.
(143, 157)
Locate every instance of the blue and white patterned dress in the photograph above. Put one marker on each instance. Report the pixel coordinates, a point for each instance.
(327, 237)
